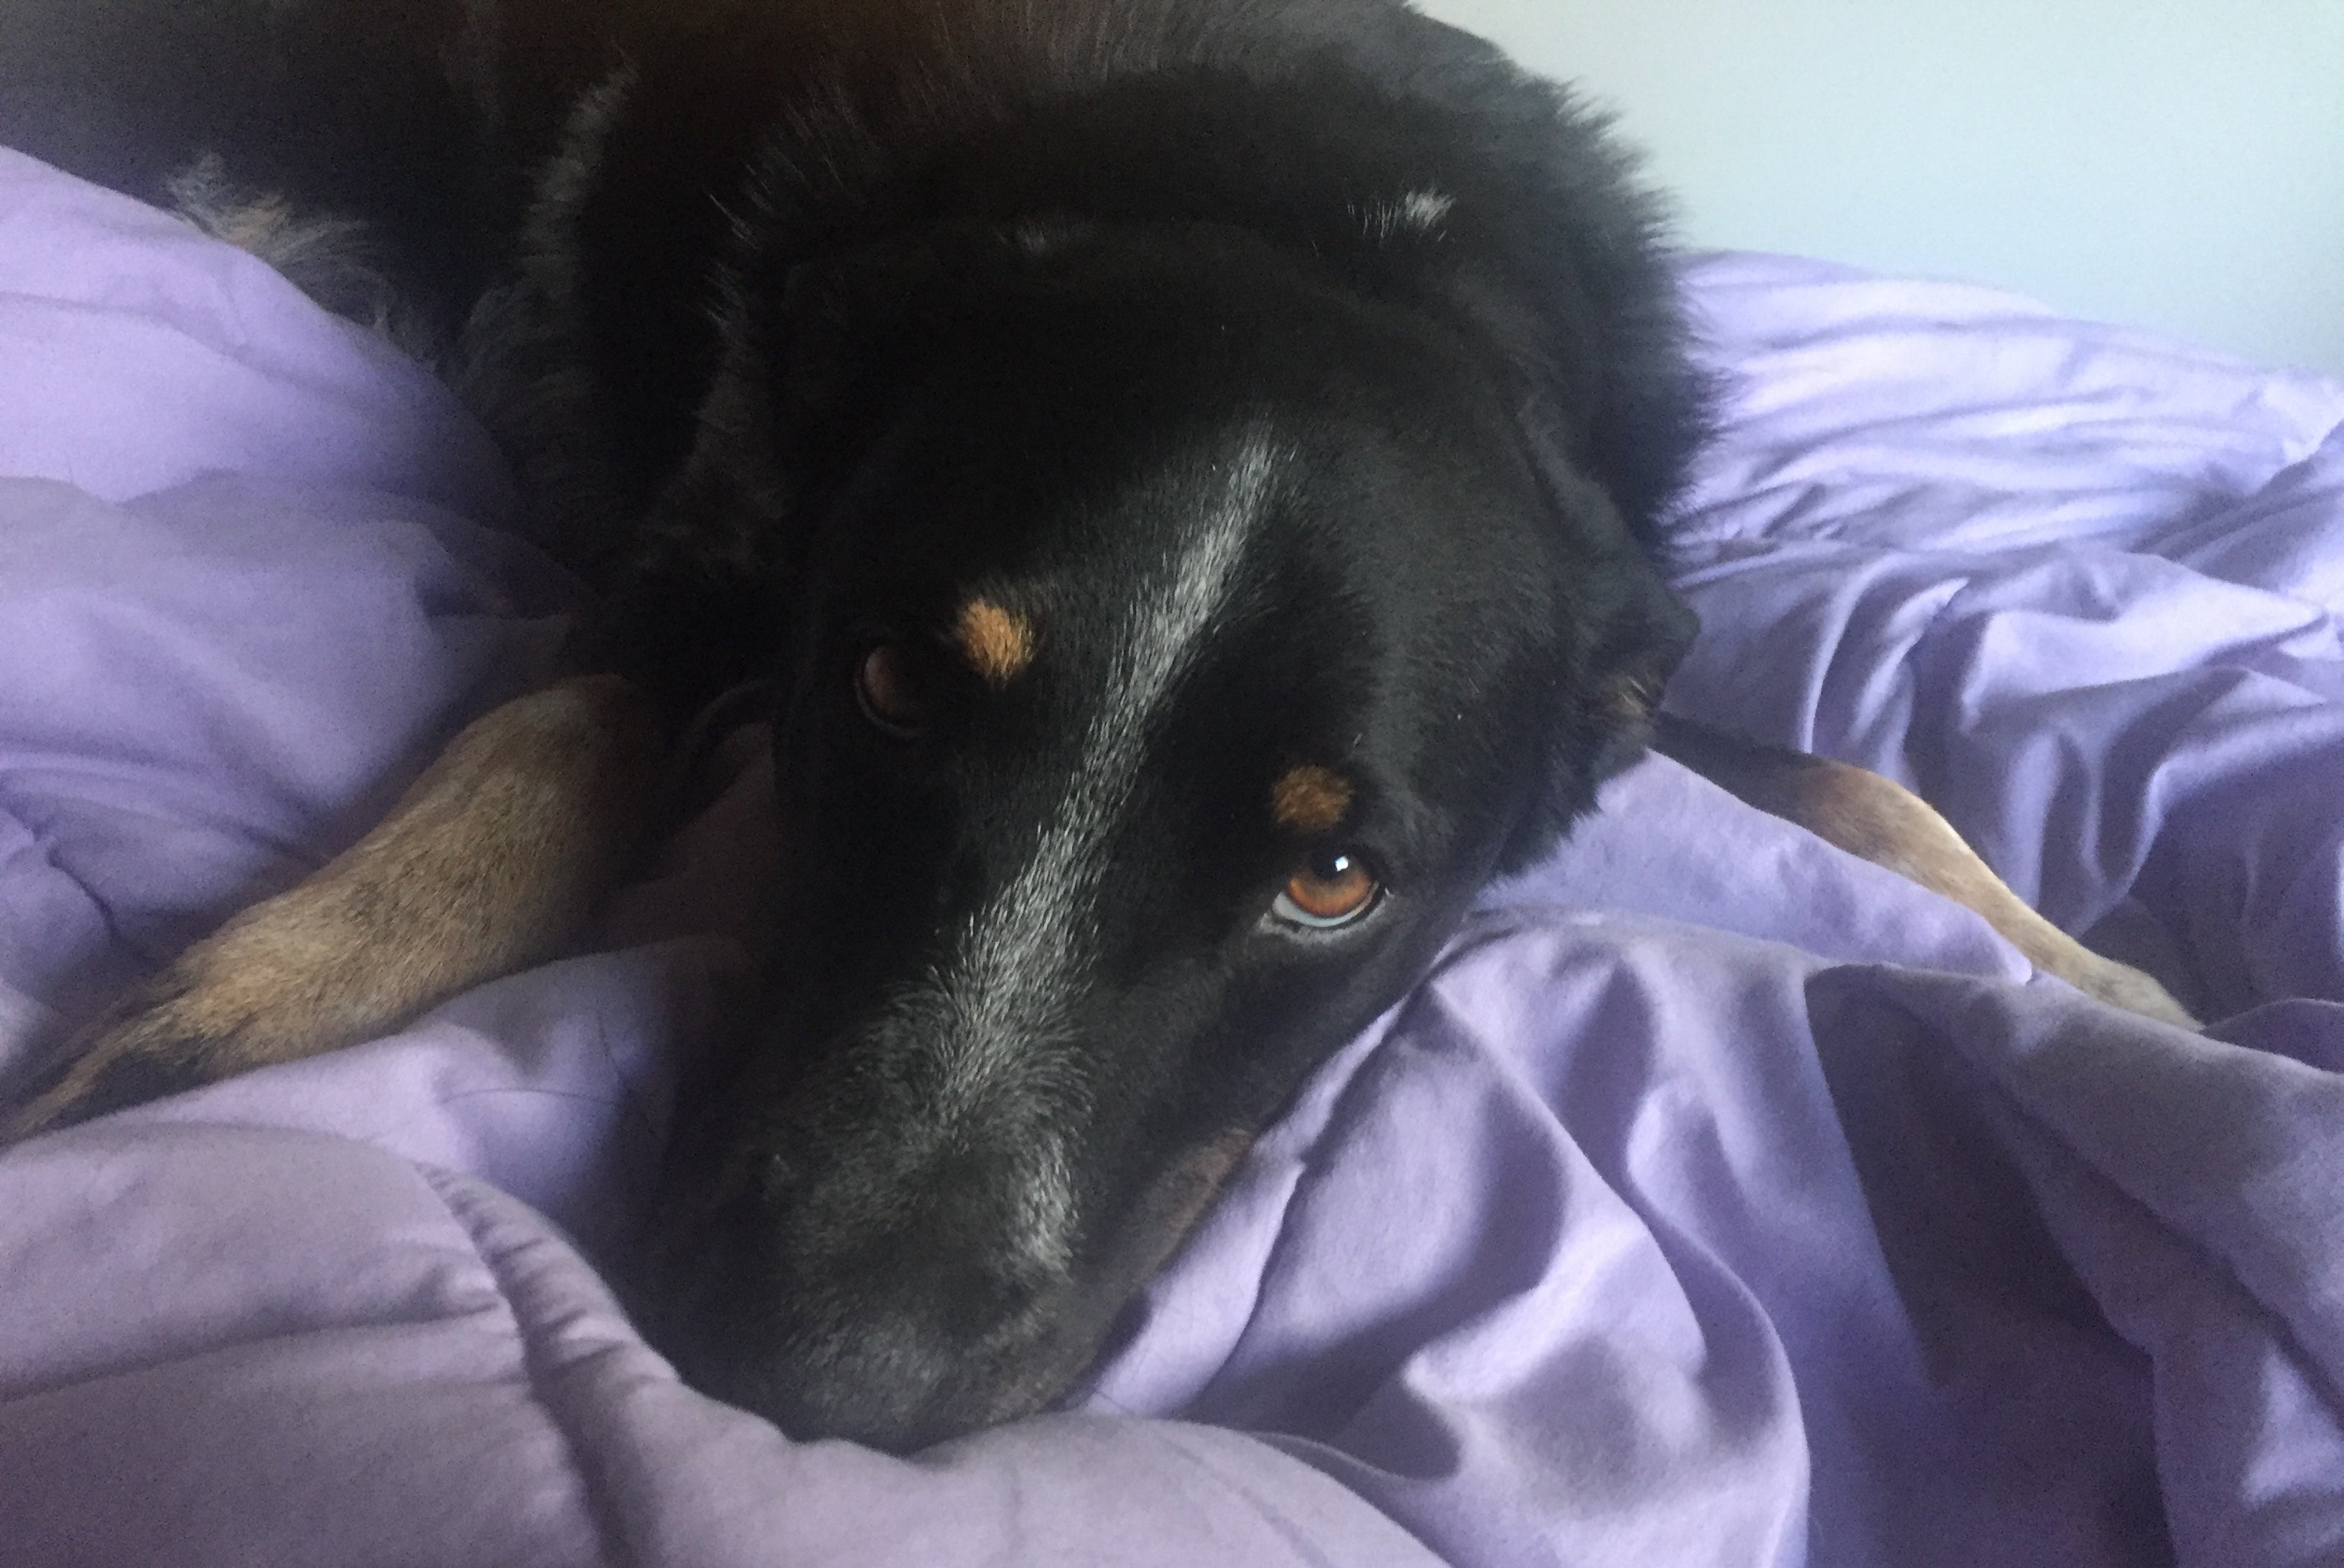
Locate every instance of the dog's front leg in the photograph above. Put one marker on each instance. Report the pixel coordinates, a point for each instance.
(1882, 821)
(491, 860)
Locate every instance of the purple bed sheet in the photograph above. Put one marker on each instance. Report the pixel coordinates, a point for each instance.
(1718, 1200)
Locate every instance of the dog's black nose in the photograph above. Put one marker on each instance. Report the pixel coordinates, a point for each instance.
(867, 1290)
(907, 1344)
(895, 1385)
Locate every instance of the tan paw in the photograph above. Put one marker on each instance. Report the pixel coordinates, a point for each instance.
(488, 862)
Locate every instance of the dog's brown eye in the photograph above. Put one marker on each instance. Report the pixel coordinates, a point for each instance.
(1334, 889)
(895, 684)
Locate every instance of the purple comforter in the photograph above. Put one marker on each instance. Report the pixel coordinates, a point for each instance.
(1719, 1200)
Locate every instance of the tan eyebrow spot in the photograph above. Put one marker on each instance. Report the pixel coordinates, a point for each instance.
(1309, 799)
(998, 643)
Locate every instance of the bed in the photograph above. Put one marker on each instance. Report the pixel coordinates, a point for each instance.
(1718, 1199)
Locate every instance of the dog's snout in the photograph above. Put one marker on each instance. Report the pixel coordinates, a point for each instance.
(898, 1376)
(914, 1371)
(880, 1252)
(894, 1281)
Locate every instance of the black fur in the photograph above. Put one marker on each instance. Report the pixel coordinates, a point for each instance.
(1309, 376)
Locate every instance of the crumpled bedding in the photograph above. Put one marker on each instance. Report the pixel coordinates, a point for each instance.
(1718, 1199)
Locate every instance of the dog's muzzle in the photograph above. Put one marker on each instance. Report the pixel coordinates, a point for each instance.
(873, 1280)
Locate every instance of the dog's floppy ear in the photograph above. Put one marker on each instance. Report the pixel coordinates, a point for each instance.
(825, 348)
(1623, 632)
(1562, 276)
(817, 357)
(811, 359)
(846, 333)
(1599, 718)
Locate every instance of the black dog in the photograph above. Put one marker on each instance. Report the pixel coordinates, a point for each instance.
(1190, 470)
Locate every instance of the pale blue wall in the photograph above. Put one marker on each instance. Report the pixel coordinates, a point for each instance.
(2173, 162)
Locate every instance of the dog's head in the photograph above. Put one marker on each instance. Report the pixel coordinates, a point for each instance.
(1184, 639)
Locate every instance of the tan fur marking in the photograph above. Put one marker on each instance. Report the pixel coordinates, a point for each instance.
(1309, 799)
(492, 858)
(998, 643)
